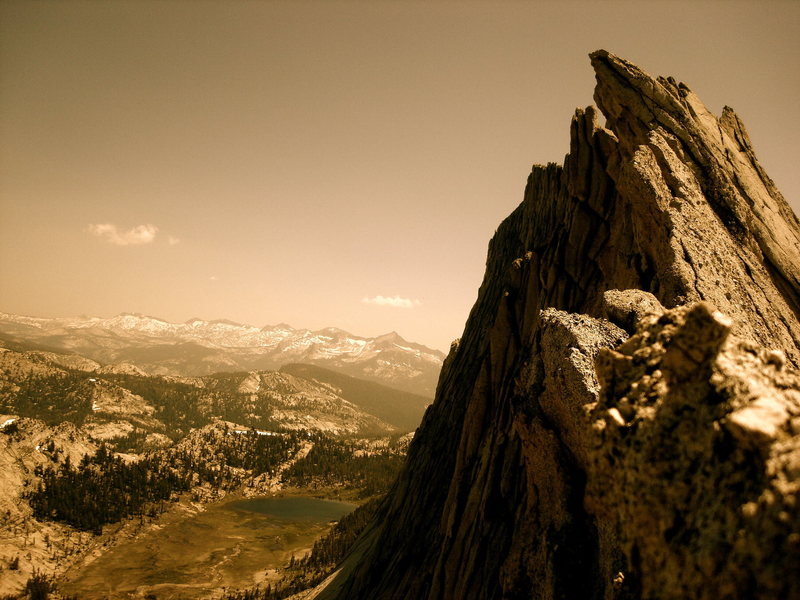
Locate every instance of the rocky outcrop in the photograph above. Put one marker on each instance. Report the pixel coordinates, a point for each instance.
(585, 441)
(30, 545)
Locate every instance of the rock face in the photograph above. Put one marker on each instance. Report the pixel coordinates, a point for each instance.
(585, 441)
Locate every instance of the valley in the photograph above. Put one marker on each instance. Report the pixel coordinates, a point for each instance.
(198, 549)
(185, 487)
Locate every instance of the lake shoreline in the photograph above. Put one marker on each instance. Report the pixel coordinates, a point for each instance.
(198, 550)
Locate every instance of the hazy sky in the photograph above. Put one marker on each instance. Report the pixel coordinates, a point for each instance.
(267, 162)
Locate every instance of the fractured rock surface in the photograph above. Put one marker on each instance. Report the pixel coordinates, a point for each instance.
(697, 459)
(620, 419)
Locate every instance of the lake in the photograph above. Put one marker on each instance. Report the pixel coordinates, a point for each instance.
(233, 544)
(294, 508)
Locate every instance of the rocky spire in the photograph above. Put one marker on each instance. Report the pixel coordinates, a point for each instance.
(717, 151)
(609, 426)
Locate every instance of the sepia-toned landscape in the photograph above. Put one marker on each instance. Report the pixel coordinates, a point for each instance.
(617, 416)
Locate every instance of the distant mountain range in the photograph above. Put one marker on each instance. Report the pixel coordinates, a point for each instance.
(115, 404)
(199, 347)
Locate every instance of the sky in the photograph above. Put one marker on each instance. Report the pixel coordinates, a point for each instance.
(324, 163)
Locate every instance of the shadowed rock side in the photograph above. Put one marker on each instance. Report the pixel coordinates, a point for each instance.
(563, 459)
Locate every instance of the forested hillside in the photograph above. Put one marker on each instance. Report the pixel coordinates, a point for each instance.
(87, 450)
(402, 409)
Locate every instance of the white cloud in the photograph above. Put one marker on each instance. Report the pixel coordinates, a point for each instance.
(141, 234)
(172, 240)
(392, 301)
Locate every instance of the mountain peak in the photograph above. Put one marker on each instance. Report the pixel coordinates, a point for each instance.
(133, 316)
(391, 337)
(227, 322)
(583, 436)
(284, 326)
(199, 347)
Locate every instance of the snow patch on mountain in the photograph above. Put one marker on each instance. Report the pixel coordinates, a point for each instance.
(199, 347)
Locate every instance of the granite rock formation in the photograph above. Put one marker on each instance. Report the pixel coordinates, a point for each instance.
(620, 419)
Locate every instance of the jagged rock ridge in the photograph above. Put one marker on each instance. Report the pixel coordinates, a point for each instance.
(560, 460)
